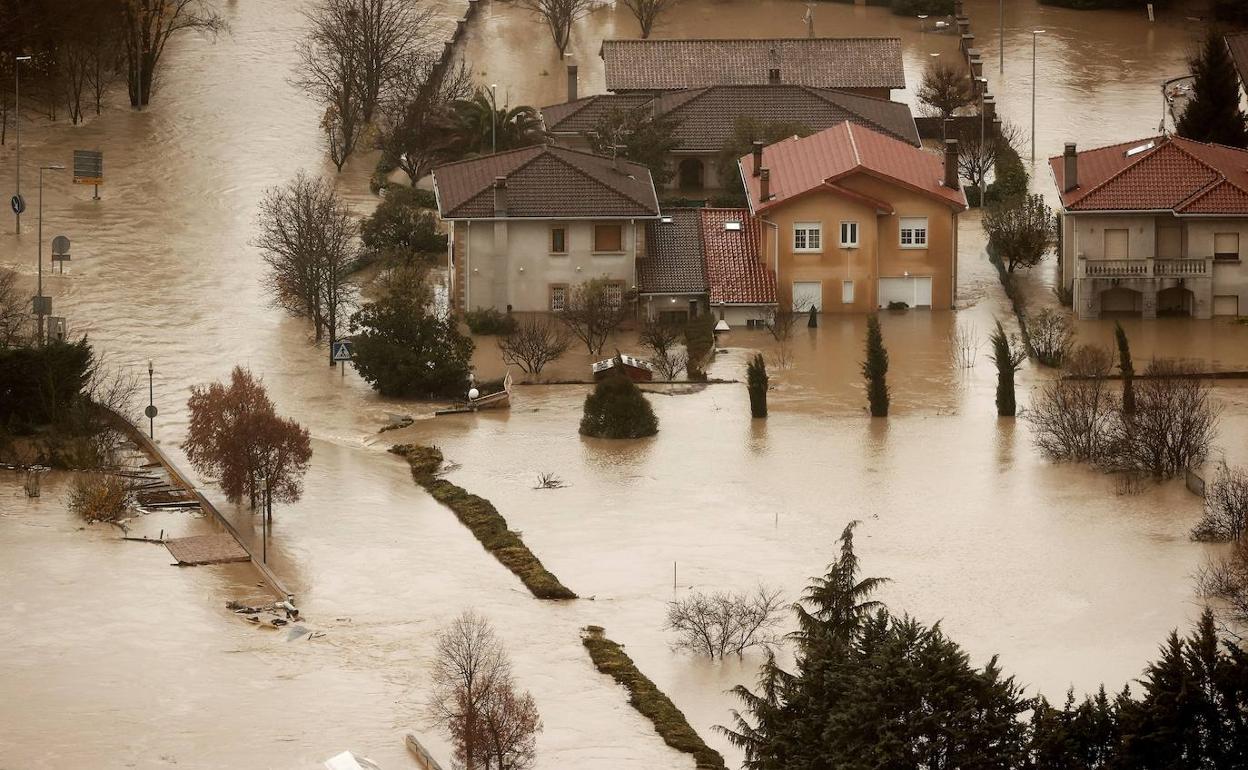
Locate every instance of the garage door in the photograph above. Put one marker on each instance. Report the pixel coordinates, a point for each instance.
(1226, 305)
(914, 291)
(807, 294)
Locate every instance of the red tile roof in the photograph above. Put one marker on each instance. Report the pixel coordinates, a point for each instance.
(1161, 173)
(546, 181)
(800, 165)
(735, 273)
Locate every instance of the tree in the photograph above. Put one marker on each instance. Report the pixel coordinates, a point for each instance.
(756, 382)
(1172, 427)
(534, 341)
(647, 12)
(1021, 229)
(481, 127)
(307, 238)
(419, 131)
(1213, 114)
(14, 317)
(662, 339)
(594, 310)
(1008, 354)
(509, 727)
(469, 665)
(640, 136)
(147, 26)
(559, 16)
(1052, 336)
(725, 623)
(1226, 506)
(329, 70)
(875, 368)
(979, 151)
(617, 409)
(236, 437)
(395, 38)
(746, 131)
(1126, 368)
(1071, 418)
(403, 349)
(399, 229)
(945, 89)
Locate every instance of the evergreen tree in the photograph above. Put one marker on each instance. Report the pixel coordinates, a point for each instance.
(1128, 370)
(617, 409)
(1008, 357)
(756, 383)
(1213, 114)
(875, 368)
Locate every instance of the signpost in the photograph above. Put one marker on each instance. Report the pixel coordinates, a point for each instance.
(150, 411)
(340, 351)
(89, 169)
(18, 204)
(60, 250)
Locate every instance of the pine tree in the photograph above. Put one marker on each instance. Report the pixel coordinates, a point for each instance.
(875, 368)
(1008, 357)
(1213, 114)
(1128, 370)
(756, 383)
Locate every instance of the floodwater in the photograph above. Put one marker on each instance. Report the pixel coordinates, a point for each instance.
(109, 657)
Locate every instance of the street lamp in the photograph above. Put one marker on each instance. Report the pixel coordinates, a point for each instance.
(17, 131)
(1034, 33)
(1001, 44)
(983, 92)
(493, 117)
(42, 306)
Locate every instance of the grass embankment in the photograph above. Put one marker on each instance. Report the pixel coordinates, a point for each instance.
(610, 658)
(486, 523)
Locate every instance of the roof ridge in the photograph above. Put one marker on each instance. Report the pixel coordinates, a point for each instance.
(614, 188)
(849, 128)
(1206, 191)
(1158, 143)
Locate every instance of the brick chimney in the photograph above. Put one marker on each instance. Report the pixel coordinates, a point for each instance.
(764, 185)
(951, 164)
(572, 82)
(773, 76)
(617, 157)
(1070, 173)
(758, 156)
(500, 196)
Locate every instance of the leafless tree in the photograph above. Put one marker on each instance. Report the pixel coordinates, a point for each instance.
(722, 623)
(1226, 506)
(1227, 579)
(978, 150)
(946, 88)
(963, 344)
(147, 26)
(396, 41)
(14, 312)
(663, 340)
(1089, 361)
(536, 340)
(1052, 336)
(308, 239)
(647, 12)
(1172, 427)
(419, 128)
(329, 70)
(1071, 418)
(509, 727)
(98, 496)
(594, 310)
(559, 16)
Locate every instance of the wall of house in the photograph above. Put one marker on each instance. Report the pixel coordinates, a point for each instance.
(1087, 235)
(509, 262)
(652, 305)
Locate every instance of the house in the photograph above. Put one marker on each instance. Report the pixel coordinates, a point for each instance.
(705, 119)
(1238, 45)
(700, 259)
(1154, 227)
(529, 224)
(870, 66)
(854, 220)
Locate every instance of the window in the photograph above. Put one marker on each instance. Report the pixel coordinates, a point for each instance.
(1226, 246)
(615, 294)
(1117, 244)
(914, 232)
(807, 236)
(849, 235)
(558, 297)
(608, 237)
(847, 292)
(558, 240)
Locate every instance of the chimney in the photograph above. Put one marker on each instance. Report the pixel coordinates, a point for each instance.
(572, 82)
(758, 156)
(500, 196)
(951, 164)
(764, 185)
(773, 76)
(617, 155)
(990, 107)
(1070, 175)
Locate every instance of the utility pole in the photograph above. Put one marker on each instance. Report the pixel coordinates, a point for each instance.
(42, 305)
(1001, 45)
(151, 403)
(17, 130)
(1034, 33)
(493, 118)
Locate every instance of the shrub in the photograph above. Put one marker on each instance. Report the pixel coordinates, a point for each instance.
(534, 341)
(1226, 506)
(1010, 177)
(100, 497)
(1008, 355)
(40, 385)
(402, 228)
(875, 369)
(1172, 427)
(720, 623)
(699, 344)
(1052, 336)
(756, 382)
(898, 305)
(489, 321)
(617, 409)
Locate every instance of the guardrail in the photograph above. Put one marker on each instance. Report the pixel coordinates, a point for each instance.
(1145, 268)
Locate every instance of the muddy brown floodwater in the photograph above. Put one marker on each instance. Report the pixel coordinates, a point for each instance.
(110, 658)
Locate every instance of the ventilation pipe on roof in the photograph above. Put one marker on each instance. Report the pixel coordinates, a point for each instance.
(951, 163)
(773, 76)
(758, 156)
(1070, 172)
(500, 196)
(764, 185)
(617, 156)
(572, 82)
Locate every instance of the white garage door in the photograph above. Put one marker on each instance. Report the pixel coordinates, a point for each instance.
(1227, 304)
(807, 294)
(914, 291)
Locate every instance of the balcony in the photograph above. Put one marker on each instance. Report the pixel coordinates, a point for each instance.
(1199, 267)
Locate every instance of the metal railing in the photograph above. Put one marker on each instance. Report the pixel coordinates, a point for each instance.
(1145, 268)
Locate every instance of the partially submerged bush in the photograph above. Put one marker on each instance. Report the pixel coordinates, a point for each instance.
(723, 623)
(100, 497)
(756, 379)
(699, 345)
(1226, 506)
(1052, 336)
(617, 409)
(488, 320)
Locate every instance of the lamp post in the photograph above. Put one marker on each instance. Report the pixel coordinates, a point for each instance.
(983, 148)
(493, 117)
(1034, 34)
(41, 308)
(17, 128)
(151, 403)
(1001, 43)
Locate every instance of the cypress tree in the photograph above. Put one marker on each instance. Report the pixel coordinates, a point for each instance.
(1127, 369)
(617, 409)
(1213, 114)
(875, 368)
(756, 382)
(813, 321)
(1008, 358)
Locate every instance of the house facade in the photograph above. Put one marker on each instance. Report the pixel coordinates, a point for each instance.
(528, 225)
(1153, 227)
(854, 220)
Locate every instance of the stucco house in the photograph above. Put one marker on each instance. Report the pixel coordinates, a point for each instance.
(529, 224)
(854, 220)
(1157, 226)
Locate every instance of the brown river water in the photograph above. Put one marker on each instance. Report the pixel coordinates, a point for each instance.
(110, 658)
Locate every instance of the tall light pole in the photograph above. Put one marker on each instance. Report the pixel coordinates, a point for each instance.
(41, 308)
(1034, 33)
(1001, 44)
(493, 117)
(17, 129)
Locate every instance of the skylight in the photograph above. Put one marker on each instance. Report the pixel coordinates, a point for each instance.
(1140, 149)
(732, 224)
(666, 220)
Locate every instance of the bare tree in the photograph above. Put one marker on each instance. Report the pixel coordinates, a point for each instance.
(1227, 579)
(963, 344)
(663, 340)
(1172, 428)
(594, 310)
(1071, 418)
(509, 727)
(329, 70)
(978, 150)
(559, 16)
(308, 239)
(1226, 506)
(396, 40)
(147, 26)
(534, 341)
(780, 324)
(1051, 335)
(647, 12)
(99, 496)
(945, 89)
(419, 129)
(14, 316)
(722, 623)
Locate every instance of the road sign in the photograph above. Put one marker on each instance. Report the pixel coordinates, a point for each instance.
(150, 412)
(342, 351)
(56, 328)
(18, 204)
(42, 305)
(88, 167)
(60, 249)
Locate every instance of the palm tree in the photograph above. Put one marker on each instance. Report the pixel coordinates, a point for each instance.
(481, 127)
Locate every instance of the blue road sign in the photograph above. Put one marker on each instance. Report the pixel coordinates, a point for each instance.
(342, 350)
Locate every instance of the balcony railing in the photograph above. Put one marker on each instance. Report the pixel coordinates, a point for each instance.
(1146, 268)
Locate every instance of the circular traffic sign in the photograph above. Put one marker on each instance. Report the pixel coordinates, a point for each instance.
(150, 411)
(18, 203)
(60, 245)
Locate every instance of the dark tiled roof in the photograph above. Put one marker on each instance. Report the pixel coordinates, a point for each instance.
(706, 117)
(1239, 52)
(1160, 173)
(545, 181)
(651, 65)
(673, 261)
(734, 272)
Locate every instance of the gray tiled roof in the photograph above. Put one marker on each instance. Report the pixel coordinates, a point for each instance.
(673, 261)
(640, 65)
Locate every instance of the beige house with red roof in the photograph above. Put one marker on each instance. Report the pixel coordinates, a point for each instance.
(1154, 227)
(853, 220)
